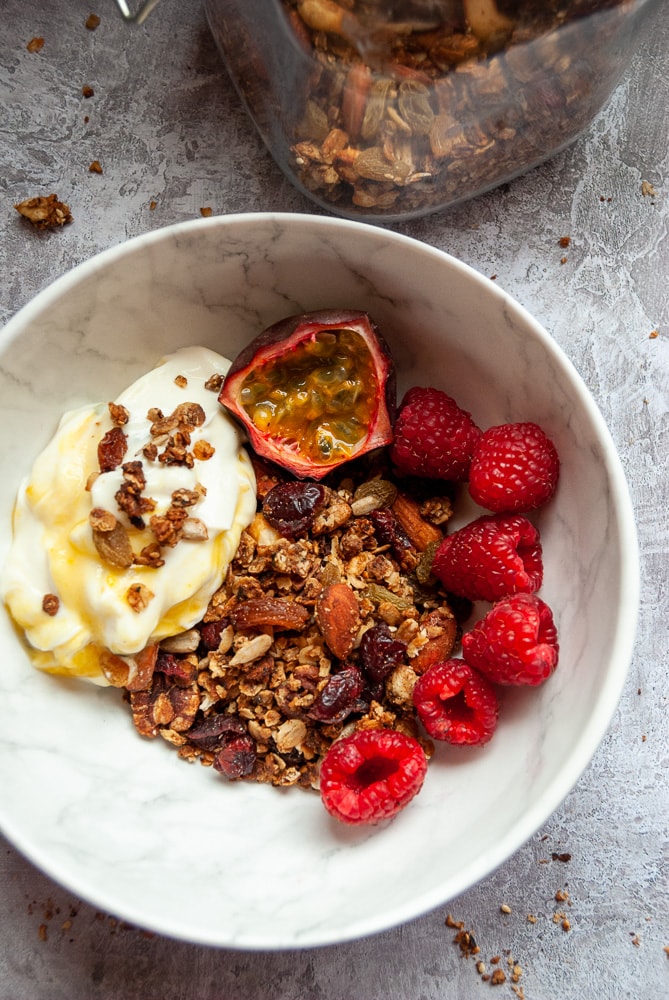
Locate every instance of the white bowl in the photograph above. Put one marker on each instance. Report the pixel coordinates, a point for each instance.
(122, 821)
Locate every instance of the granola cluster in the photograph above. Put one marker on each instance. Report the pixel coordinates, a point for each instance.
(322, 624)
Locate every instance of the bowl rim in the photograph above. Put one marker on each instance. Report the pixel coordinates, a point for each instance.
(622, 643)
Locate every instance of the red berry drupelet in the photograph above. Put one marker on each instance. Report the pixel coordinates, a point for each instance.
(490, 558)
(514, 468)
(456, 703)
(516, 642)
(371, 775)
(433, 436)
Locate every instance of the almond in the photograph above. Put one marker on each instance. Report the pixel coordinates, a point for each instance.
(419, 531)
(338, 617)
(441, 629)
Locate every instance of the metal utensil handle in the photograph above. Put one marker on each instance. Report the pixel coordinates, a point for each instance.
(140, 14)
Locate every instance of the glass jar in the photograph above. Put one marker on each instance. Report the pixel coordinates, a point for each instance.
(390, 109)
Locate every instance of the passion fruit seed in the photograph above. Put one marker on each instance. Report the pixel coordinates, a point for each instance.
(319, 399)
(314, 391)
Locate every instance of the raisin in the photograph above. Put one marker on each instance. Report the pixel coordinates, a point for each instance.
(339, 697)
(236, 758)
(380, 653)
(292, 507)
(111, 449)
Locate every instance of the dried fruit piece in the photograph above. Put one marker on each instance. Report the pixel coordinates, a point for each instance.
(456, 703)
(291, 507)
(314, 391)
(516, 642)
(339, 697)
(111, 449)
(380, 653)
(490, 558)
(338, 617)
(110, 538)
(371, 775)
(515, 468)
(434, 437)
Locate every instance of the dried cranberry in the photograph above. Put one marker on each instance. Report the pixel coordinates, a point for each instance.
(291, 507)
(340, 696)
(380, 653)
(214, 731)
(237, 757)
(210, 634)
(180, 670)
(390, 532)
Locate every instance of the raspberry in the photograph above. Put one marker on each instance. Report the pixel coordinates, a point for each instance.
(492, 557)
(371, 775)
(433, 436)
(456, 703)
(516, 642)
(514, 468)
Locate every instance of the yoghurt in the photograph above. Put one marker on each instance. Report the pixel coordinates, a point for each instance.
(179, 497)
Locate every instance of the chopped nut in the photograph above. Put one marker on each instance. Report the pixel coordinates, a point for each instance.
(252, 650)
(194, 530)
(183, 642)
(181, 381)
(119, 414)
(95, 167)
(203, 451)
(498, 977)
(505, 908)
(647, 189)
(214, 383)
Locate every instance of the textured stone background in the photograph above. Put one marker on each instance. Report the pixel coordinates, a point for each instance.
(166, 125)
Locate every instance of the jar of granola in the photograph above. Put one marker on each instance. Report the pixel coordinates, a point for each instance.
(391, 109)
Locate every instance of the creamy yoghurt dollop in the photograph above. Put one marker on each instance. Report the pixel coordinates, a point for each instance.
(72, 603)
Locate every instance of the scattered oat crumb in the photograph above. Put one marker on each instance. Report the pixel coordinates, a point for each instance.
(561, 857)
(95, 167)
(666, 950)
(520, 993)
(653, 334)
(493, 277)
(564, 241)
(505, 908)
(87, 91)
(181, 381)
(563, 260)
(86, 119)
(206, 212)
(647, 189)
(152, 205)
(561, 895)
(35, 44)
(495, 960)
(531, 918)
(41, 931)
(644, 738)
(92, 22)
(566, 926)
(636, 940)
(498, 977)
(66, 925)
(44, 211)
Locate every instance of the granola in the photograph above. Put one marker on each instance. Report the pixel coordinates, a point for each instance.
(276, 663)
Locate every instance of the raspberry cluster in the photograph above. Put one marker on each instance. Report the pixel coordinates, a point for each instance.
(510, 470)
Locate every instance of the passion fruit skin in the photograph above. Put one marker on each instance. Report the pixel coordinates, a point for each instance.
(282, 340)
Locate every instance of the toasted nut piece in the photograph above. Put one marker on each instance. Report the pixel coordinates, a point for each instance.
(183, 642)
(252, 650)
(338, 617)
(441, 628)
(420, 532)
(194, 530)
(276, 611)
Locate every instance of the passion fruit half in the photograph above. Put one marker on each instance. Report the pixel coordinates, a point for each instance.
(314, 391)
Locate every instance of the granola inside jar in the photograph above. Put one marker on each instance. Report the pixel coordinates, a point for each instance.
(395, 108)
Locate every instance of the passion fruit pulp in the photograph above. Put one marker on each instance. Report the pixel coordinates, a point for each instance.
(314, 391)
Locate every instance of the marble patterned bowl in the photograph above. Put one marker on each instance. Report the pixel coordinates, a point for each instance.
(122, 821)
